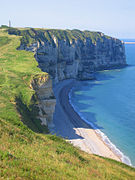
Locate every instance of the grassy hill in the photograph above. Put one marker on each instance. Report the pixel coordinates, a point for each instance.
(26, 152)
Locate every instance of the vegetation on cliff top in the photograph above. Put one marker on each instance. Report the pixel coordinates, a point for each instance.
(31, 35)
(27, 153)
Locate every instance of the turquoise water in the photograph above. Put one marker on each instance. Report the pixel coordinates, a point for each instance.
(109, 103)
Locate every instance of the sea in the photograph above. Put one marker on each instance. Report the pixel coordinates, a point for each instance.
(108, 105)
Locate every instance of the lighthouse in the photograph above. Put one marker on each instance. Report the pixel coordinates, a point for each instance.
(9, 23)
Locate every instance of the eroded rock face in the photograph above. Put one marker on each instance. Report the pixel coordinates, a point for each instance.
(68, 54)
(43, 86)
(80, 59)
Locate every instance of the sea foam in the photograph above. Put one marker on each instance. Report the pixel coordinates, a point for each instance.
(104, 138)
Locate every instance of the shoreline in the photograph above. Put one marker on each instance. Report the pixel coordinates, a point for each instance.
(70, 125)
(129, 42)
(102, 136)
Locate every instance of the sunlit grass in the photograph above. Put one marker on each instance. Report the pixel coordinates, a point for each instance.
(17, 69)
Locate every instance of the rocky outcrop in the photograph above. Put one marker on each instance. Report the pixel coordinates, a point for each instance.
(42, 84)
(80, 59)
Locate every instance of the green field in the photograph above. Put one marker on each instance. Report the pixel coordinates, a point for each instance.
(26, 150)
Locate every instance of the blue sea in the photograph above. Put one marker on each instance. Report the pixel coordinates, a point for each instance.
(108, 104)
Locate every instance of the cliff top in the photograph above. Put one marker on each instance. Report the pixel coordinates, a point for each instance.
(31, 35)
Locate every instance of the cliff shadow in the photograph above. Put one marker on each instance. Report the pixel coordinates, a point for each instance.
(29, 115)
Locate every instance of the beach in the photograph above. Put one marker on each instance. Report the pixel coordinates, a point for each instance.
(69, 125)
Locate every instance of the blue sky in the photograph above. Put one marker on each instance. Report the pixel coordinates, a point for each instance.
(113, 17)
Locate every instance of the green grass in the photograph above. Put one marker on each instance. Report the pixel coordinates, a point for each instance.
(17, 68)
(4, 40)
(25, 151)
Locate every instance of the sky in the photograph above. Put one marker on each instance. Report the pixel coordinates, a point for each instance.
(112, 17)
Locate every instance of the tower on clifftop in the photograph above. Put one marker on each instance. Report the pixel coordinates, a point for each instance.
(9, 23)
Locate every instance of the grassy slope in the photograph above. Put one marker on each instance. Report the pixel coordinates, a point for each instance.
(25, 154)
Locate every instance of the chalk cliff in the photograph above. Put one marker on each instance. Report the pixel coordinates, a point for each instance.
(68, 54)
(42, 84)
(65, 54)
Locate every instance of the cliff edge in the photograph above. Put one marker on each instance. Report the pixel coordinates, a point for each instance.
(42, 84)
(66, 54)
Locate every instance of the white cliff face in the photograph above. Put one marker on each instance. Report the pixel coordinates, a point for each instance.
(80, 59)
(68, 54)
(43, 86)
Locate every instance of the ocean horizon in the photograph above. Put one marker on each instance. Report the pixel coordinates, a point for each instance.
(108, 105)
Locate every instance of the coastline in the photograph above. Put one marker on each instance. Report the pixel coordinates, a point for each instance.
(129, 42)
(70, 125)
